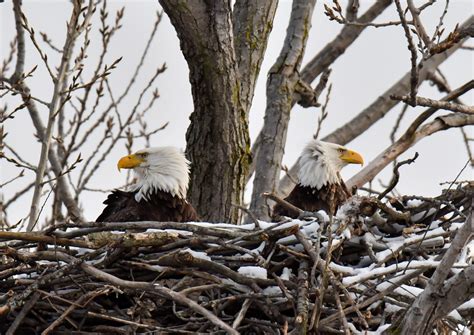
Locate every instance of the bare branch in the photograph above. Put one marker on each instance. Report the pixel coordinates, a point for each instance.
(420, 317)
(72, 33)
(446, 105)
(377, 110)
(405, 142)
(413, 52)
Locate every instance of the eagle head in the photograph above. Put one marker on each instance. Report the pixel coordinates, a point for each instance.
(158, 169)
(320, 163)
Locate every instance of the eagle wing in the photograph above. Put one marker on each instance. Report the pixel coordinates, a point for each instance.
(160, 206)
(328, 198)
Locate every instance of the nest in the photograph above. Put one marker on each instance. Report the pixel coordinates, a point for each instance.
(358, 271)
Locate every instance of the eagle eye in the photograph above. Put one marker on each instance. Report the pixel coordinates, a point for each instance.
(341, 150)
(143, 154)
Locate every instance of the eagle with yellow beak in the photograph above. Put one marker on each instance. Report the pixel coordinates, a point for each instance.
(320, 186)
(159, 194)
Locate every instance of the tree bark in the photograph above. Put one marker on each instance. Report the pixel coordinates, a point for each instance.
(253, 22)
(217, 138)
(223, 74)
(281, 84)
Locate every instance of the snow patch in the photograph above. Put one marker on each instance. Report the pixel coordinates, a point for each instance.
(285, 274)
(414, 203)
(272, 290)
(197, 254)
(467, 305)
(253, 272)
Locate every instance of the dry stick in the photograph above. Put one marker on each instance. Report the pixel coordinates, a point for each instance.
(24, 311)
(60, 256)
(38, 237)
(136, 285)
(283, 203)
(420, 29)
(412, 136)
(301, 319)
(372, 299)
(426, 102)
(413, 52)
(324, 113)
(419, 317)
(81, 302)
(127, 322)
(321, 265)
(396, 176)
(93, 227)
(342, 316)
(241, 315)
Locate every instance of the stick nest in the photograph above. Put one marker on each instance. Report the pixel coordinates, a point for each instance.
(357, 271)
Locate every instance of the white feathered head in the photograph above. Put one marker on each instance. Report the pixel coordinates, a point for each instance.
(320, 163)
(159, 168)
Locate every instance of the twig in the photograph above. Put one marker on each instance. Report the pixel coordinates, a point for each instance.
(455, 107)
(324, 113)
(241, 315)
(24, 311)
(396, 176)
(412, 48)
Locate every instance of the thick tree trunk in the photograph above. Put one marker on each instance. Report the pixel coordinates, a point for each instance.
(281, 85)
(223, 74)
(253, 21)
(217, 139)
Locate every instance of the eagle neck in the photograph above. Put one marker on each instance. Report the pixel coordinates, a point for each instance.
(316, 173)
(150, 182)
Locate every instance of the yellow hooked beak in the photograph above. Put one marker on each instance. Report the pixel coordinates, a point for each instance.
(352, 157)
(129, 162)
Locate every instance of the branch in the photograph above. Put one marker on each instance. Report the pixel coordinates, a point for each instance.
(396, 176)
(404, 143)
(20, 41)
(377, 110)
(420, 317)
(446, 105)
(413, 52)
(73, 32)
(336, 48)
(420, 29)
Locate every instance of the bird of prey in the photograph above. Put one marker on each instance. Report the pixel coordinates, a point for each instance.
(159, 194)
(320, 186)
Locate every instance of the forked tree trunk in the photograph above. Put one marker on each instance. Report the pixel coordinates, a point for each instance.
(223, 76)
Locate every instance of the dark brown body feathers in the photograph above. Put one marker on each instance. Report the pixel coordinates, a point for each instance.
(161, 206)
(310, 199)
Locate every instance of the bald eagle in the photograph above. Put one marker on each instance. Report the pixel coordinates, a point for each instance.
(159, 194)
(319, 183)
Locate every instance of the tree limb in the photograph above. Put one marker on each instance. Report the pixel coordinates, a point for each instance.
(421, 316)
(377, 110)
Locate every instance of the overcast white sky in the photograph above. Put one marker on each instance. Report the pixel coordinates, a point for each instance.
(371, 65)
